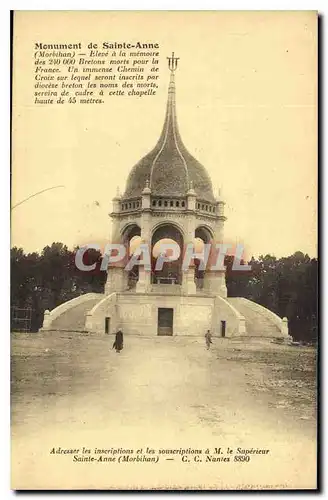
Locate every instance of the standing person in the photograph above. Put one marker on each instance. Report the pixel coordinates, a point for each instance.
(118, 342)
(208, 339)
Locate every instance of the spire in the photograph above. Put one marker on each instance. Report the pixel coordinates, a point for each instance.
(118, 194)
(219, 197)
(173, 62)
(170, 144)
(169, 166)
(191, 191)
(146, 189)
(170, 123)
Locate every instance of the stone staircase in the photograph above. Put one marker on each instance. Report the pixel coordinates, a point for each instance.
(260, 322)
(73, 320)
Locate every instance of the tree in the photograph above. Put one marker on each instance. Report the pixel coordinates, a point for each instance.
(287, 286)
(47, 280)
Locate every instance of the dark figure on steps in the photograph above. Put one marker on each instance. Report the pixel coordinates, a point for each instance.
(118, 342)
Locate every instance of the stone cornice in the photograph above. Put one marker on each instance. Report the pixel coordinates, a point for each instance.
(167, 213)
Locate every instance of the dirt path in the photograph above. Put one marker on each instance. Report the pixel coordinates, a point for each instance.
(158, 393)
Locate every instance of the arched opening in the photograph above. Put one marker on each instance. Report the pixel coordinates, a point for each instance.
(204, 233)
(169, 272)
(131, 239)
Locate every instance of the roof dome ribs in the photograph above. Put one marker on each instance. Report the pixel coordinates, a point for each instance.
(170, 167)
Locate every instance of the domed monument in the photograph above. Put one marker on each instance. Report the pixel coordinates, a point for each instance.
(168, 198)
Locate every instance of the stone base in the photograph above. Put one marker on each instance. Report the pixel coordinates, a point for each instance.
(143, 284)
(117, 280)
(215, 284)
(188, 282)
(138, 314)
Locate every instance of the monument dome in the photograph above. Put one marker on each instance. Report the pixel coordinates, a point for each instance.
(169, 167)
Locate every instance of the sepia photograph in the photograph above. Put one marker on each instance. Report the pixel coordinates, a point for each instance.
(164, 260)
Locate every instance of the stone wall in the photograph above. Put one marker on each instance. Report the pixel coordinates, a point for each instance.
(192, 315)
(95, 320)
(138, 314)
(63, 309)
(223, 311)
(263, 311)
(260, 321)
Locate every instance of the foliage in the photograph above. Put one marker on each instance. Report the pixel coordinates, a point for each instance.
(44, 281)
(287, 286)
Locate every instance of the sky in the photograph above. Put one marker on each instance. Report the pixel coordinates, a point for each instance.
(246, 90)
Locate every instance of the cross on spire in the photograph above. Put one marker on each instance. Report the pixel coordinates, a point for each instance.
(173, 62)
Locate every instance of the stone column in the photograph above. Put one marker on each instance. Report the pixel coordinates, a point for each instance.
(144, 281)
(188, 281)
(117, 279)
(284, 328)
(115, 215)
(191, 198)
(214, 281)
(46, 320)
(188, 275)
